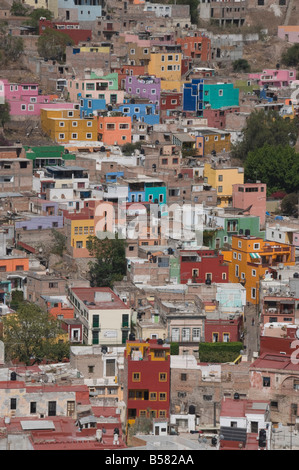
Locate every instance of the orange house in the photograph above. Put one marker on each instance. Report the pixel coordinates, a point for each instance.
(115, 130)
(12, 264)
(196, 47)
(60, 310)
(250, 258)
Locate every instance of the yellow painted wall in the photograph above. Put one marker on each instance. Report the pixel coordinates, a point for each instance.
(61, 128)
(156, 64)
(223, 178)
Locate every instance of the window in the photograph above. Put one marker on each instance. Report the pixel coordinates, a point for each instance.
(95, 321)
(220, 189)
(185, 334)
(266, 381)
(153, 396)
(253, 272)
(226, 337)
(110, 367)
(32, 407)
(162, 377)
(52, 408)
(162, 396)
(220, 93)
(183, 377)
(256, 246)
(196, 334)
(88, 135)
(136, 377)
(220, 177)
(90, 369)
(253, 293)
(13, 403)
(74, 136)
(215, 337)
(61, 136)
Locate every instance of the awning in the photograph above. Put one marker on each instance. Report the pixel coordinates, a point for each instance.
(254, 255)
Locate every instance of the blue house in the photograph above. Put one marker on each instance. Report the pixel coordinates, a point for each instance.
(142, 112)
(89, 106)
(198, 95)
(147, 189)
(193, 95)
(82, 10)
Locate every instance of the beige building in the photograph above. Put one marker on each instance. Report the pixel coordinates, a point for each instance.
(106, 319)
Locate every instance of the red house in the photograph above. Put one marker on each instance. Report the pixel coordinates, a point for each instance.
(68, 28)
(202, 266)
(170, 100)
(147, 379)
(223, 330)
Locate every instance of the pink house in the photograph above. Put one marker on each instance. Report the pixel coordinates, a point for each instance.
(274, 77)
(251, 197)
(289, 33)
(25, 100)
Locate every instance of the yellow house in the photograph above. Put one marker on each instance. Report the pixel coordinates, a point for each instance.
(51, 5)
(167, 66)
(251, 258)
(222, 179)
(65, 125)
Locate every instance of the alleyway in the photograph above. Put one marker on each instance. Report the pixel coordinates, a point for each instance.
(252, 330)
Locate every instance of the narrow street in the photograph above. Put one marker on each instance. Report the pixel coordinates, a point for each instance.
(251, 330)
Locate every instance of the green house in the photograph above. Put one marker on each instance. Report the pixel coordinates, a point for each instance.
(218, 233)
(43, 156)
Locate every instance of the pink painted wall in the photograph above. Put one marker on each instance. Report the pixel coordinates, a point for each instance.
(277, 76)
(248, 197)
(25, 100)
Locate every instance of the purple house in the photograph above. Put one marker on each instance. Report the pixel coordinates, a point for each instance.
(25, 99)
(144, 86)
(277, 78)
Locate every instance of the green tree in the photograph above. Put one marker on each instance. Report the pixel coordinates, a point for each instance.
(275, 165)
(52, 43)
(35, 16)
(241, 65)
(110, 265)
(289, 205)
(59, 242)
(291, 56)
(265, 128)
(30, 335)
(19, 9)
(4, 114)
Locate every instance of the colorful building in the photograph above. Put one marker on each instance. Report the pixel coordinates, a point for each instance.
(251, 258)
(198, 95)
(197, 47)
(48, 155)
(166, 64)
(63, 125)
(251, 198)
(141, 111)
(223, 180)
(70, 29)
(278, 78)
(147, 380)
(94, 87)
(202, 266)
(115, 129)
(146, 86)
(25, 99)
(209, 141)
